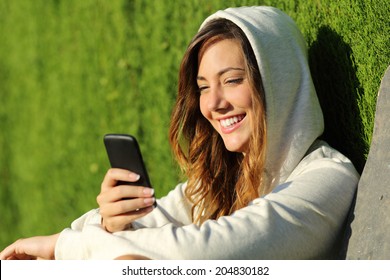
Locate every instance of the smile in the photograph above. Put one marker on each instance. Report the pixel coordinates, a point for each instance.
(230, 122)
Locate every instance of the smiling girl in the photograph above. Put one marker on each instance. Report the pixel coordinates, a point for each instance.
(245, 131)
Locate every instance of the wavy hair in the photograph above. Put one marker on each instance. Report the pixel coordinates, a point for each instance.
(219, 181)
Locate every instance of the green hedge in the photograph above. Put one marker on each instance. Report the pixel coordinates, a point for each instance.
(71, 71)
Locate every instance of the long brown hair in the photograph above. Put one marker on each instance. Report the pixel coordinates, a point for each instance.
(219, 181)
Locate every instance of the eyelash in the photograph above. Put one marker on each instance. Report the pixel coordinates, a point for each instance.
(202, 88)
(232, 81)
(235, 81)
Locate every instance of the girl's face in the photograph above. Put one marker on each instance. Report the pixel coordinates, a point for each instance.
(225, 93)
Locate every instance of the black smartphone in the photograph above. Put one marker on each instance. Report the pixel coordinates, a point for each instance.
(123, 152)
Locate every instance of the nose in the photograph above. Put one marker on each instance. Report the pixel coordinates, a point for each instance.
(216, 100)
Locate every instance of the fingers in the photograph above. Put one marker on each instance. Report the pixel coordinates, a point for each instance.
(124, 192)
(12, 252)
(125, 207)
(114, 175)
(120, 205)
(110, 194)
(7, 253)
(116, 216)
(31, 248)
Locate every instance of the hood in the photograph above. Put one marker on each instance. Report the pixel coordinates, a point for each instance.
(293, 114)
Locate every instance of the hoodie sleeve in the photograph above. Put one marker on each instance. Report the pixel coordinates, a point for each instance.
(174, 208)
(300, 219)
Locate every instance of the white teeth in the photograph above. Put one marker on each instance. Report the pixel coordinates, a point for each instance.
(231, 121)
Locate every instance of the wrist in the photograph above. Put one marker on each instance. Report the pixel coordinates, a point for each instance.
(102, 224)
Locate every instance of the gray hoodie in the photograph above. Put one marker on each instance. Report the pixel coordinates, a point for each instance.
(313, 184)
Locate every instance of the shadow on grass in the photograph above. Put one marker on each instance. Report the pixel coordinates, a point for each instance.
(334, 76)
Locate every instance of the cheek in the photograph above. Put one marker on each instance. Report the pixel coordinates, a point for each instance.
(244, 99)
(203, 107)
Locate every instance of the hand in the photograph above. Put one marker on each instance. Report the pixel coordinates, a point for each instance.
(121, 205)
(33, 248)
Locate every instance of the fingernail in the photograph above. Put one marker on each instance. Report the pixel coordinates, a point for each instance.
(134, 177)
(148, 191)
(149, 201)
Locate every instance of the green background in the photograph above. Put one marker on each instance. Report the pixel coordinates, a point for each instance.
(72, 71)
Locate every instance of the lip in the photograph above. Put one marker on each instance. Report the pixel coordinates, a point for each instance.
(230, 129)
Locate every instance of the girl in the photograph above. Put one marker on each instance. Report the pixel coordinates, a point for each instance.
(245, 130)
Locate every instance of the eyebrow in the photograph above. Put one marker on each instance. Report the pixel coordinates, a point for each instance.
(221, 72)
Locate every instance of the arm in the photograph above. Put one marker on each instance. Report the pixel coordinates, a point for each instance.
(299, 220)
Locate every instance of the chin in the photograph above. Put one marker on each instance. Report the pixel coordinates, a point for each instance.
(236, 142)
(235, 148)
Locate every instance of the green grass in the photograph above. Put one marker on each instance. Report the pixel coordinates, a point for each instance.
(71, 71)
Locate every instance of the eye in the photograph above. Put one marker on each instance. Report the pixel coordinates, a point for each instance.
(202, 88)
(235, 81)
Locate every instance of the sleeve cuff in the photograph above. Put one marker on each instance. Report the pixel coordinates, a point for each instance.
(69, 246)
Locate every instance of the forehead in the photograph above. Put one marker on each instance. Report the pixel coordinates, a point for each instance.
(220, 54)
